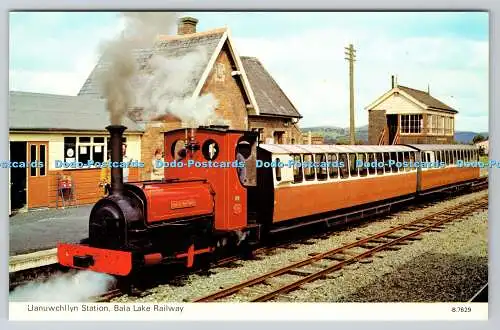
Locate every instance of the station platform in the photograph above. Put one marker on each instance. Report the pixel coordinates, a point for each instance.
(42, 229)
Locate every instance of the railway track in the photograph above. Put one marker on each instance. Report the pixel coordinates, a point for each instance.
(27, 274)
(481, 295)
(262, 288)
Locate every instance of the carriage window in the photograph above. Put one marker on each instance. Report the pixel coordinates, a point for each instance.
(363, 171)
(387, 158)
(297, 170)
(333, 169)
(322, 170)
(309, 172)
(401, 160)
(379, 159)
(343, 166)
(277, 170)
(447, 157)
(353, 170)
(394, 157)
(406, 158)
(371, 159)
(412, 161)
(437, 156)
(455, 156)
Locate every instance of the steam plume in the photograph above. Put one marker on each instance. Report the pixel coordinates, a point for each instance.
(158, 85)
(70, 287)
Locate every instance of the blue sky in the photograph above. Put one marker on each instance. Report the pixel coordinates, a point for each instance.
(53, 52)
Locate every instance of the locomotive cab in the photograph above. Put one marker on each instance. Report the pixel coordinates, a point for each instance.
(199, 206)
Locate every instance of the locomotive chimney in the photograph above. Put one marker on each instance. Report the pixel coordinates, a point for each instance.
(116, 134)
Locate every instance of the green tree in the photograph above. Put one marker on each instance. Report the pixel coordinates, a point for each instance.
(478, 138)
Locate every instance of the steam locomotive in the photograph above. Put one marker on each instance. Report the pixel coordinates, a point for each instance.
(205, 203)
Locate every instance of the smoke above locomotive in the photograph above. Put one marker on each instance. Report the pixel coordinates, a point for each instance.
(135, 74)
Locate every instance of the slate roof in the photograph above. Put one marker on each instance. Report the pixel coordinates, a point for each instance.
(270, 97)
(427, 99)
(36, 111)
(173, 47)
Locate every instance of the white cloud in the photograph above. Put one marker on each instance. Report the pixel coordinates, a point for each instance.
(76, 55)
(311, 69)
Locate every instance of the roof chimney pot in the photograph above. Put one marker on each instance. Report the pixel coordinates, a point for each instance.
(187, 25)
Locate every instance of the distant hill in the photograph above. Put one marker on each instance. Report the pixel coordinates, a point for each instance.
(466, 137)
(339, 135)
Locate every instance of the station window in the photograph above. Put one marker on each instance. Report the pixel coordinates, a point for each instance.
(322, 170)
(353, 170)
(387, 158)
(42, 159)
(33, 158)
(309, 172)
(277, 170)
(85, 148)
(297, 170)
(437, 155)
(343, 166)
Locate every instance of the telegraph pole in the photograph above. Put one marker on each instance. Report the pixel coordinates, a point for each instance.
(351, 57)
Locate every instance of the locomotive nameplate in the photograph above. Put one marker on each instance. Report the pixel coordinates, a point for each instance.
(182, 204)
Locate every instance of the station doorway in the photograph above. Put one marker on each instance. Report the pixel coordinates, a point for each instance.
(18, 176)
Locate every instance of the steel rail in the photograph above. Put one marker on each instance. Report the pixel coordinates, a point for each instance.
(448, 214)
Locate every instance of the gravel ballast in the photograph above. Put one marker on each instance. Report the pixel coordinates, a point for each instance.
(443, 266)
